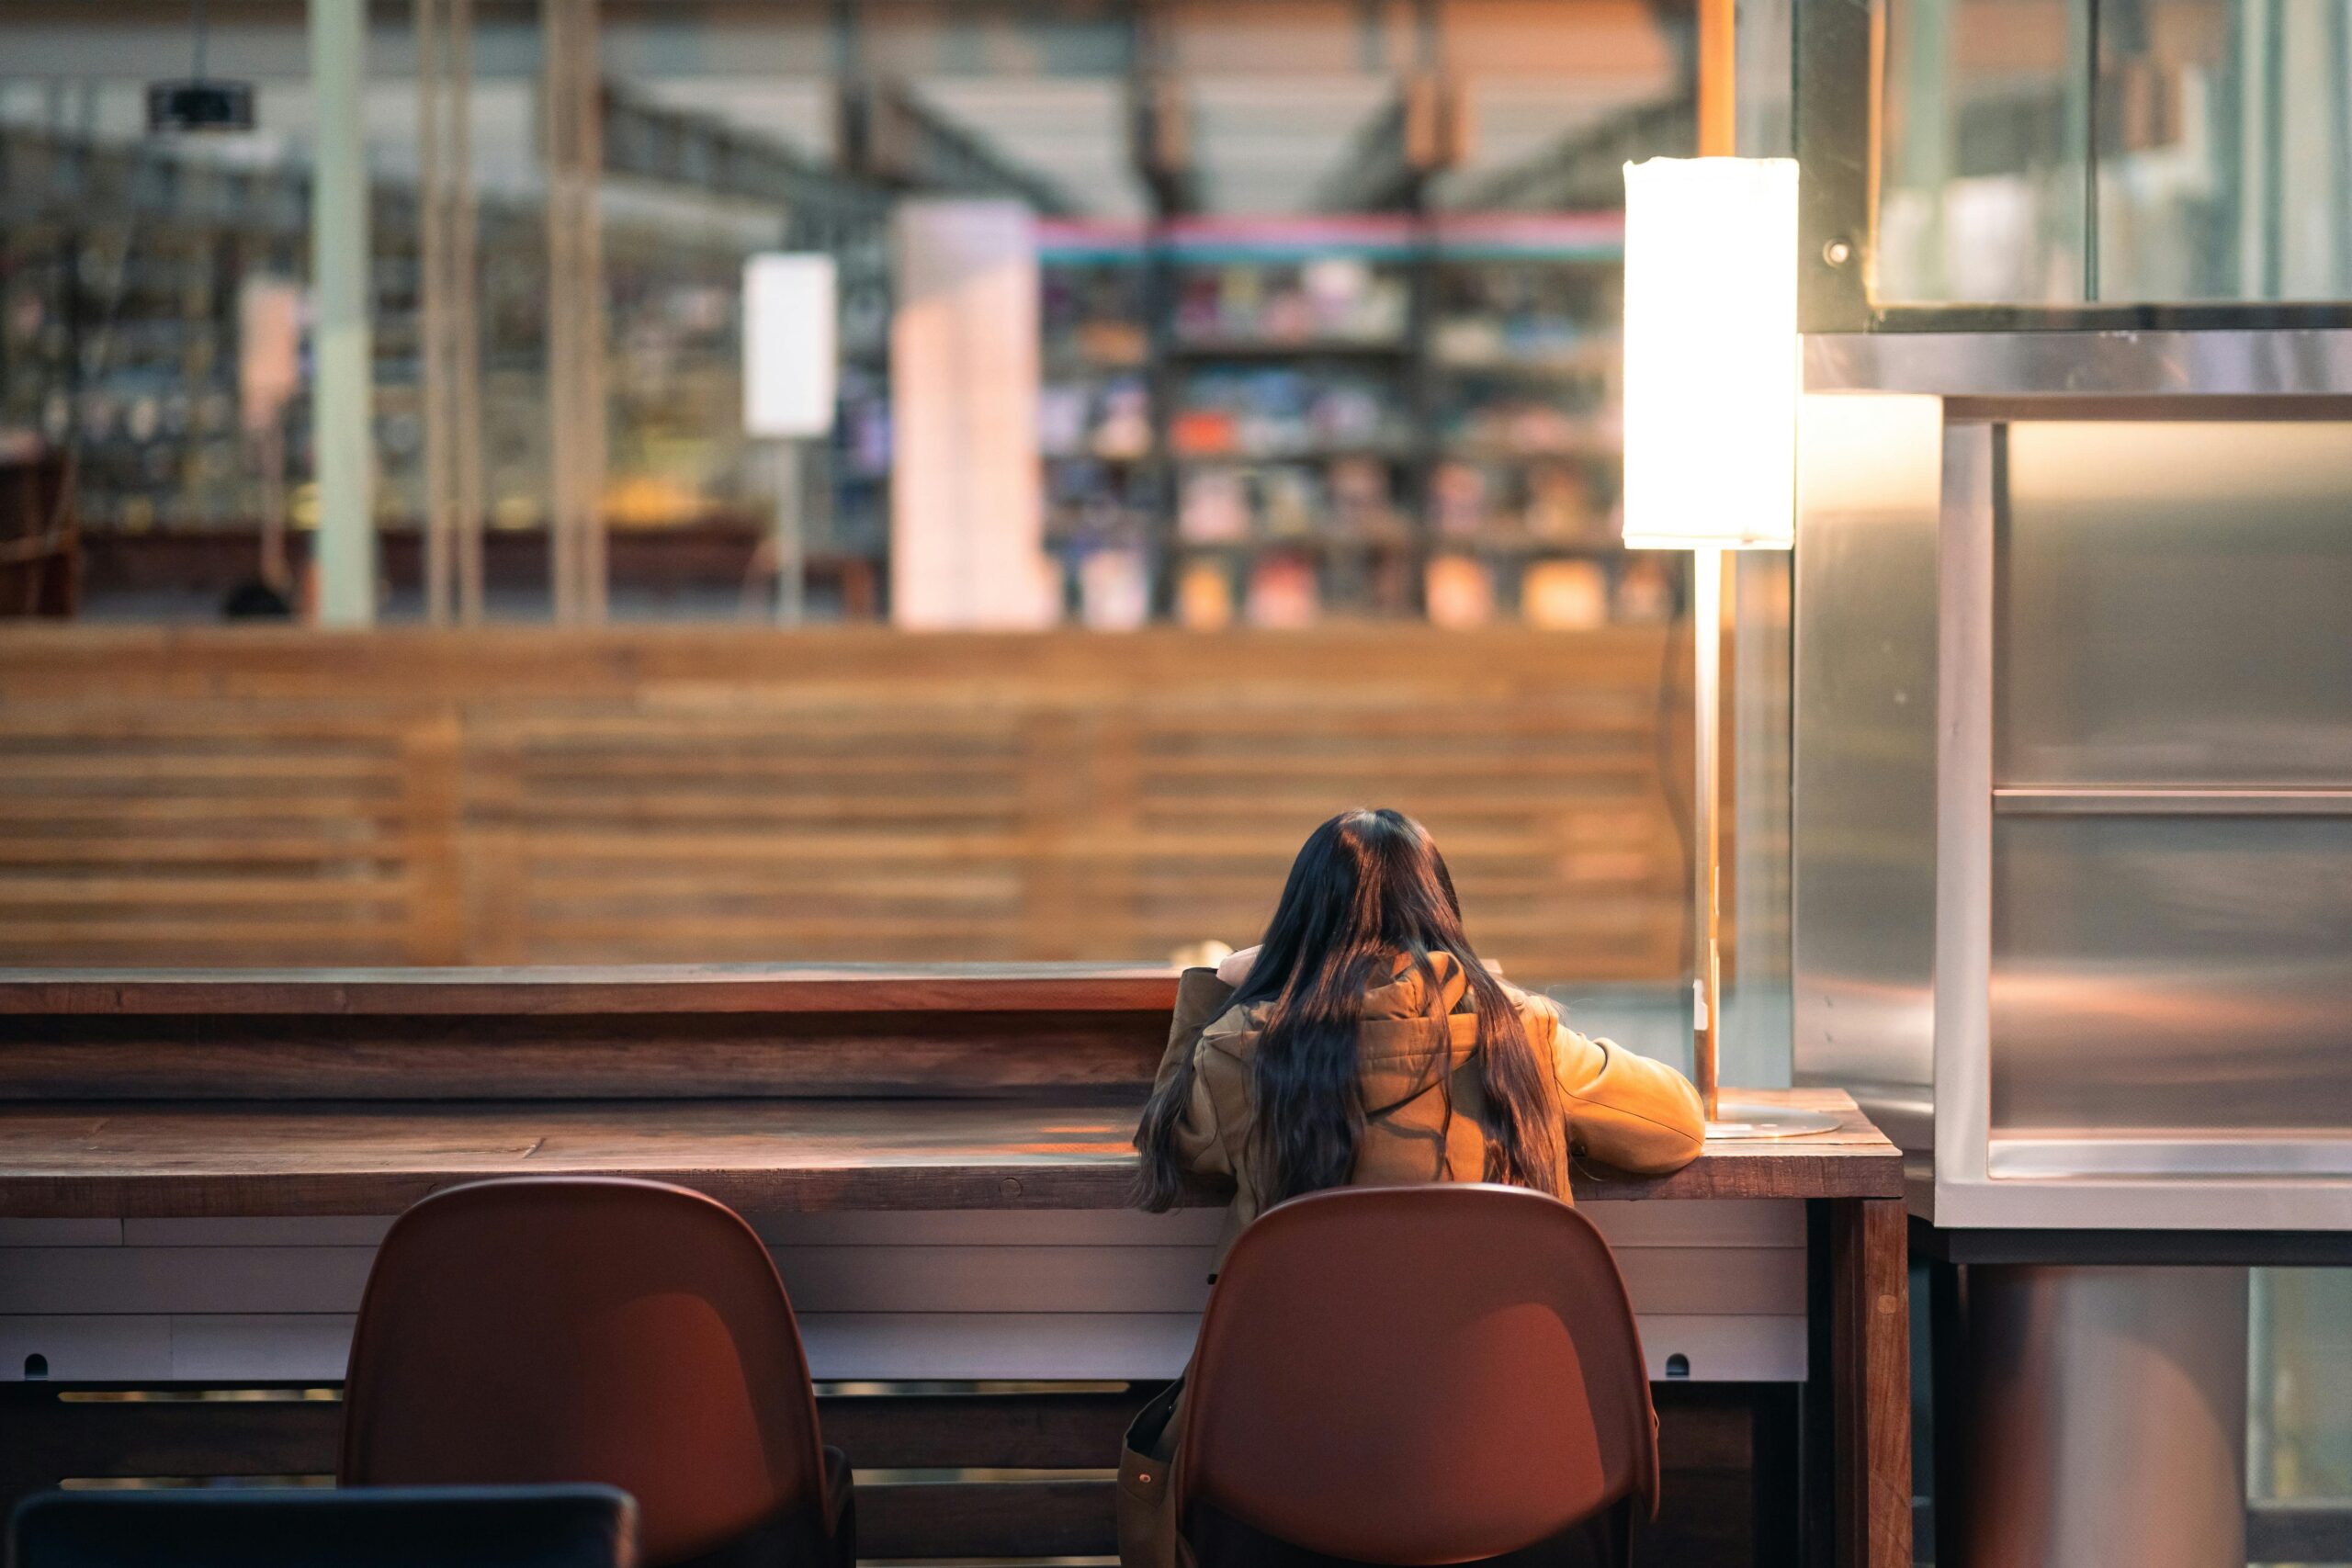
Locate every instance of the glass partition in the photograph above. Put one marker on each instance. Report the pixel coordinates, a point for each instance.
(2082, 151)
(1326, 313)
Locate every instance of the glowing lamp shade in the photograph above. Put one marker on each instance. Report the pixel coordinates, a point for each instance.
(1712, 366)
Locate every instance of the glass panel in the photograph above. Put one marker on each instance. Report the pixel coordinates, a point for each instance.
(2224, 150)
(2176, 605)
(2301, 1444)
(2169, 973)
(2220, 133)
(1983, 194)
(1328, 316)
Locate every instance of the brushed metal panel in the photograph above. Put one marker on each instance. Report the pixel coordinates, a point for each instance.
(2273, 362)
(2175, 604)
(1863, 817)
(2109, 1419)
(2182, 974)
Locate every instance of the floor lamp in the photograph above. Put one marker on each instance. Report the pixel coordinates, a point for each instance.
(1711, 383)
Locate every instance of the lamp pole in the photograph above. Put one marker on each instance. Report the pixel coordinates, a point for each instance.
(1706, 704)
(1717, 138)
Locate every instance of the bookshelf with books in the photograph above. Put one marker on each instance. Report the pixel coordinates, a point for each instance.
(1522, 357)
(1295, 428)
(1271, 421)
(1105, 479)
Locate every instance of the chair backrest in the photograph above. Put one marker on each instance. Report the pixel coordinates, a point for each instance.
(1418, 1375)
(449, 1526)
(549, 1329)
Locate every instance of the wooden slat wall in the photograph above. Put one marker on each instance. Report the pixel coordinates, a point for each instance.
(273, 796)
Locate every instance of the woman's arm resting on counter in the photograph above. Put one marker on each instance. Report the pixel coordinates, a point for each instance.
(1624, 1108)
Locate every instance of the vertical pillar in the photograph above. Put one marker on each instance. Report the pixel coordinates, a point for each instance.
(465, 325)
(1718, 61)
(432, 290)
(2108, 1417)
(966, 535)
(445, 223)
(573, 88)
(340, 402)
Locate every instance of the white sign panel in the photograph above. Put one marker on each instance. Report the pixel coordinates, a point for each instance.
(791, 347)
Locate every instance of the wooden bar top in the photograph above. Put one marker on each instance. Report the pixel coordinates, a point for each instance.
(628, 988)
(376, 1157)
(158, 1092)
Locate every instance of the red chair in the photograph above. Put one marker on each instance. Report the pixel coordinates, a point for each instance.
(1417, 1375)
(561, 1329)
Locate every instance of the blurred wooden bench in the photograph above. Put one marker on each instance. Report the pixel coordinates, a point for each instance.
(272, 795)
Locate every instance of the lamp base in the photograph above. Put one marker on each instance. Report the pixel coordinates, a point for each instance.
(1736, 1121)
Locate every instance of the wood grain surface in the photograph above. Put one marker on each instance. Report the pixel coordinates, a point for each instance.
(292, 1157)
(515, 794)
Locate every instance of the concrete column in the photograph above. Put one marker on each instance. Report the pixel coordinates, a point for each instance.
(341, 391)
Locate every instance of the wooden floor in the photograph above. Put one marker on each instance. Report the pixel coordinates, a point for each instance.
(271, 796)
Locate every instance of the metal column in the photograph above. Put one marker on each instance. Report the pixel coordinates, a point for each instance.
(2109, 1425)
(339, 403)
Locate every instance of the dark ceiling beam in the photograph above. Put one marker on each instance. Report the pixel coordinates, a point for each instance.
(1586, 168)
(676, 146)
(1160, 144)
(890, 135)
(1159, 113)
(1423, 131)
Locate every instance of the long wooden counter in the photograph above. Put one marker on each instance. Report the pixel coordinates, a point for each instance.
(795, 1087)
(304, 1157)
(195, 1169)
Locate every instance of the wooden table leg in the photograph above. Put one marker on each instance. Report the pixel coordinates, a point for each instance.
(1871, 1341)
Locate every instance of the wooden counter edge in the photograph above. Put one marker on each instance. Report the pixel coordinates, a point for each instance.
(946, 1185)
(554, 991)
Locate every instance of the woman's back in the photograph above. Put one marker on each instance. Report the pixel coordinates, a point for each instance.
(1419, 1084)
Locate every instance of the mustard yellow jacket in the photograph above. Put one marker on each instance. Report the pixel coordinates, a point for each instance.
(1623, 1110)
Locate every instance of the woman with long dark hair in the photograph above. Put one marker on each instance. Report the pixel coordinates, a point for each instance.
(1362, 1043)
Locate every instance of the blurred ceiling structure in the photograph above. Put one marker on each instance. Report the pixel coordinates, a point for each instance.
(1102, 108)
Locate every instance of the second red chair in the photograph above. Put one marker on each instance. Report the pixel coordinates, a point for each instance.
(1417, 1375)
(561, 1330)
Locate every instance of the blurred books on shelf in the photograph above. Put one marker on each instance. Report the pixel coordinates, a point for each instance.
(1283, 592)
(1564, 595)
(1205, 596)
(1459, 592)
(1645, 590)
(1115, 589)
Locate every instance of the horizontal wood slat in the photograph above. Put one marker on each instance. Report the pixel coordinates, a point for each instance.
(274, 795)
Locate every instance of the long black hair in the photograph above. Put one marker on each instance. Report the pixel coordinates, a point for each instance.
(1367, 889)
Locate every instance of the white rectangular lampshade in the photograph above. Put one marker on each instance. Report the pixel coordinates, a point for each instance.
(791, 352)
(1711, 368)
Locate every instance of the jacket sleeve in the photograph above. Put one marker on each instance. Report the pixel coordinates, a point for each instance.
(1201, 998)
(1625, 1110)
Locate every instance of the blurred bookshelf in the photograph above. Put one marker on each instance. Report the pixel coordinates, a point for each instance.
(1275, 420)
(122, 269)
(1266, 421)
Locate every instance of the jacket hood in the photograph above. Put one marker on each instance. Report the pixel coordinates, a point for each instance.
(1410, 1036)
